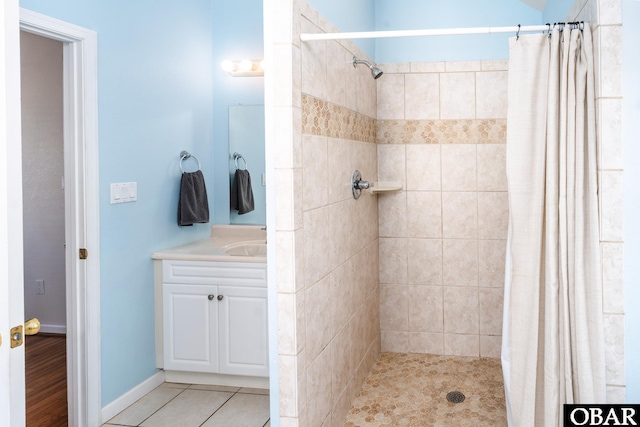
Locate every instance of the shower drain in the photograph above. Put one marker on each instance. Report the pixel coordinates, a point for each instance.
(455, 397)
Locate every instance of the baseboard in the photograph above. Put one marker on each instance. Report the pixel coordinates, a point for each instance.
(130, 397)
(53, 329)
(187, 377)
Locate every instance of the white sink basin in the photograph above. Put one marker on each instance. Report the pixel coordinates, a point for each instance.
(248, 248)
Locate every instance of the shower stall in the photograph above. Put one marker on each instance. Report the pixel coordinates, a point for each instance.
(418, 271)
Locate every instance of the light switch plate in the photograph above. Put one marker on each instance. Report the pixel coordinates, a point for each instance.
(39, 287)
(124, 192)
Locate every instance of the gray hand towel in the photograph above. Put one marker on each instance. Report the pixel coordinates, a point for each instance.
(193, 206)
(241, 192)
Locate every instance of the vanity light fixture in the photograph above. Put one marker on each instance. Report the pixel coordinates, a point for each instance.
(244, 67)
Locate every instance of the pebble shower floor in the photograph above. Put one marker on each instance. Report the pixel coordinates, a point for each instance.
(411, 390)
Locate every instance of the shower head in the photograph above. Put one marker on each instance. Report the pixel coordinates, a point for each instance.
(375, 71)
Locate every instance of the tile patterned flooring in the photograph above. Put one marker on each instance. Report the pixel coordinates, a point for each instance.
(184, 405)
(401, 390)
(410, 390)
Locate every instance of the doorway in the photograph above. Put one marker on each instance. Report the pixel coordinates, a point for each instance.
(42, 92)
(81, 242)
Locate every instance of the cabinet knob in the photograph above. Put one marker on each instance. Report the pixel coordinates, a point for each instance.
(220, 297)
(210, 297)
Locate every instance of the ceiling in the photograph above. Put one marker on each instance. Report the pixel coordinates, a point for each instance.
(538, 4)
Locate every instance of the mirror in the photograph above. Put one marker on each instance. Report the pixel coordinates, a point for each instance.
(246, 137)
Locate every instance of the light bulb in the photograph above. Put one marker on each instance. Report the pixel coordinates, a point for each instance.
(245, 65)
(243, 68)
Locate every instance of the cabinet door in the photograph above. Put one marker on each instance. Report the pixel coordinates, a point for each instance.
(243, 338)
(190, 315)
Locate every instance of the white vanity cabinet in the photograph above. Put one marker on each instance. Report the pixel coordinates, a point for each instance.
(214, 317)
(190, 317)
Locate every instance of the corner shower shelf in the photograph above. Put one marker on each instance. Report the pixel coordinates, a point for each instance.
(386, 187)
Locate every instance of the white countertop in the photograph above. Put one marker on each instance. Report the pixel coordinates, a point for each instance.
(210, 249)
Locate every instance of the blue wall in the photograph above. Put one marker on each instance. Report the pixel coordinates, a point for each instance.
(351, 15)
(154, 70)
(631, 108)
(556, 10)
(237, 34)
(427, 14)
(366, 15)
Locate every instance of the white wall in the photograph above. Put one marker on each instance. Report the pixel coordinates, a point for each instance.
(43, 168)
(631, 120)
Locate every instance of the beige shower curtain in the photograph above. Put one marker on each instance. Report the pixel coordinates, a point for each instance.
(553, 348)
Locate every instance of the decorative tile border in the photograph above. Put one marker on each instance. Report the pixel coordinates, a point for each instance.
(476, 131)
(324, 118)
(492, 131)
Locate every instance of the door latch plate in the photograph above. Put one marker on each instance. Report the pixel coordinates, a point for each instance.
(16, 336)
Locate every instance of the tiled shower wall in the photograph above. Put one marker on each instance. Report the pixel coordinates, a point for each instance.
(327, 242)
(606, 25)
(441, 131)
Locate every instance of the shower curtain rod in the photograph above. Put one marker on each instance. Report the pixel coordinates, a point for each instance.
(516, 29)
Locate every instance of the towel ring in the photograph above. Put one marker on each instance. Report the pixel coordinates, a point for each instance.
(184, 155)
(237, 156)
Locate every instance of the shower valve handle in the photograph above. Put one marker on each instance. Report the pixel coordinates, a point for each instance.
(362, 185)
(357, 184)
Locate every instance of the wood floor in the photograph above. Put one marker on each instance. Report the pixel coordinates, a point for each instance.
(46, 380)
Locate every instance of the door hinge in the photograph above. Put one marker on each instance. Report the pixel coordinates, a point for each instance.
(83, 253)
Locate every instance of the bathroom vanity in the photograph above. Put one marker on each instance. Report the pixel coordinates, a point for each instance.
(211, 309)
